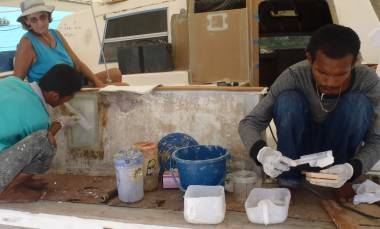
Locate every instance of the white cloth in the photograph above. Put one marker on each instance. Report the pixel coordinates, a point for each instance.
(366, 192)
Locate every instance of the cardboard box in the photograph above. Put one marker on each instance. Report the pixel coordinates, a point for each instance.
(180, 40)
(219, 45)
(168, 179)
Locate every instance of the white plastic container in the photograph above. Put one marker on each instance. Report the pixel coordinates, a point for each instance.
(243, 182)
(204, 204)
(129, 175)
(267, 206)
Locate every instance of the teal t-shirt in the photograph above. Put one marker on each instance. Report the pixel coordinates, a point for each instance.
(22, 112)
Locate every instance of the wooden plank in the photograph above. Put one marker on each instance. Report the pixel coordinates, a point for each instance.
(327, 176)
(254, 48)
(339, 216)
(207, 88)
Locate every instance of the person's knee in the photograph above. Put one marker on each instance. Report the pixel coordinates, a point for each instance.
(290, 102)
(38, 135)
(356, 106)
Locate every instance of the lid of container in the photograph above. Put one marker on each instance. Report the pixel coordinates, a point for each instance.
(126, 157)
(145, 146)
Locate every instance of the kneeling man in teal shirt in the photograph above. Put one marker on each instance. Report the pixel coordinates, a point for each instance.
(27, 143)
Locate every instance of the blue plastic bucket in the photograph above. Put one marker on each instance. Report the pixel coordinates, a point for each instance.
(201, 165)
(170, 143)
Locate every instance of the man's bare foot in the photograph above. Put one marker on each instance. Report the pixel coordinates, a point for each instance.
(35, 184)
(20, 195)
(26, 180)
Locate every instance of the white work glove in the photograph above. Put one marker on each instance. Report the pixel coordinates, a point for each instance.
(68, 121)
(343, 171)
(273, 162)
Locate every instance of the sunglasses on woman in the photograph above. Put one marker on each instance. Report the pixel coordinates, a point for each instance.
(42, 17)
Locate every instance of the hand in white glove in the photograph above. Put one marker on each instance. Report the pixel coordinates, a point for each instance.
(273, 162)
(68, 121)
(343, 171)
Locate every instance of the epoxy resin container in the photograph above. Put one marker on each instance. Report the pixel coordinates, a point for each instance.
(129, 175)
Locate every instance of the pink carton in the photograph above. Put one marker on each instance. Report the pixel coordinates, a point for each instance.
(168, 180)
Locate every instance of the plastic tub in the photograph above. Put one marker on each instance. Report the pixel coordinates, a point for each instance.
(267, 206)
(129, 175)
(243, 182)
(204, 204)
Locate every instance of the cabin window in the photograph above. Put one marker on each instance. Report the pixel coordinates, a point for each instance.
(131, 29)
(376, 7)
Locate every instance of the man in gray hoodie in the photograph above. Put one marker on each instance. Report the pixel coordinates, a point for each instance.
(327, 102)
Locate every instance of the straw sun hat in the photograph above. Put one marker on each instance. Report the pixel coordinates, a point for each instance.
(33, 6)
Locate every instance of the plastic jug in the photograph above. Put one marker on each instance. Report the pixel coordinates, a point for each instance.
(129, 175)
(151, 166)
(268, 205)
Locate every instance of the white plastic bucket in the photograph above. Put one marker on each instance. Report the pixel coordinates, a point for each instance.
(204, 204)
(267, 205)
(129, 175)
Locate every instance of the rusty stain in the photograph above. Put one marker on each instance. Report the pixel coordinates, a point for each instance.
(86, 153)
(103, 106)
(160, 203)
(167, 127)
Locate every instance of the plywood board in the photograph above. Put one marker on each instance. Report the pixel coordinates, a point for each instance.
(219, 46)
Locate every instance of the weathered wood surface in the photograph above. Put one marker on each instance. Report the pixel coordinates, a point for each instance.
(305, 207)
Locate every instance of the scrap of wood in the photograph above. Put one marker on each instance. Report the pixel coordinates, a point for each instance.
(113, 1)
(318, 180)
(339, 216)
(327, 176)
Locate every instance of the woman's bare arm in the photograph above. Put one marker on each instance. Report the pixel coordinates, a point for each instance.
(24, 58)
(81, 67)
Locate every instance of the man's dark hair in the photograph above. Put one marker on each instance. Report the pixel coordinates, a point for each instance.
(335, 41)
(63, 79)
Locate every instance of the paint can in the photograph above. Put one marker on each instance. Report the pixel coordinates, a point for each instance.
(129, 175)
(151, 166)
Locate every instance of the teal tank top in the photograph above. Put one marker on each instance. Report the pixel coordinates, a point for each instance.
(22, 112)
(46, 57)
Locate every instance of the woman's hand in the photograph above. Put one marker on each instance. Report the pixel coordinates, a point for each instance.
(98, 83)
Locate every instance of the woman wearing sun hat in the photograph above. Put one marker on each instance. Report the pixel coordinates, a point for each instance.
(41, 48)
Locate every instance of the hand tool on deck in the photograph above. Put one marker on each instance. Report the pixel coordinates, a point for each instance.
(108, 195)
